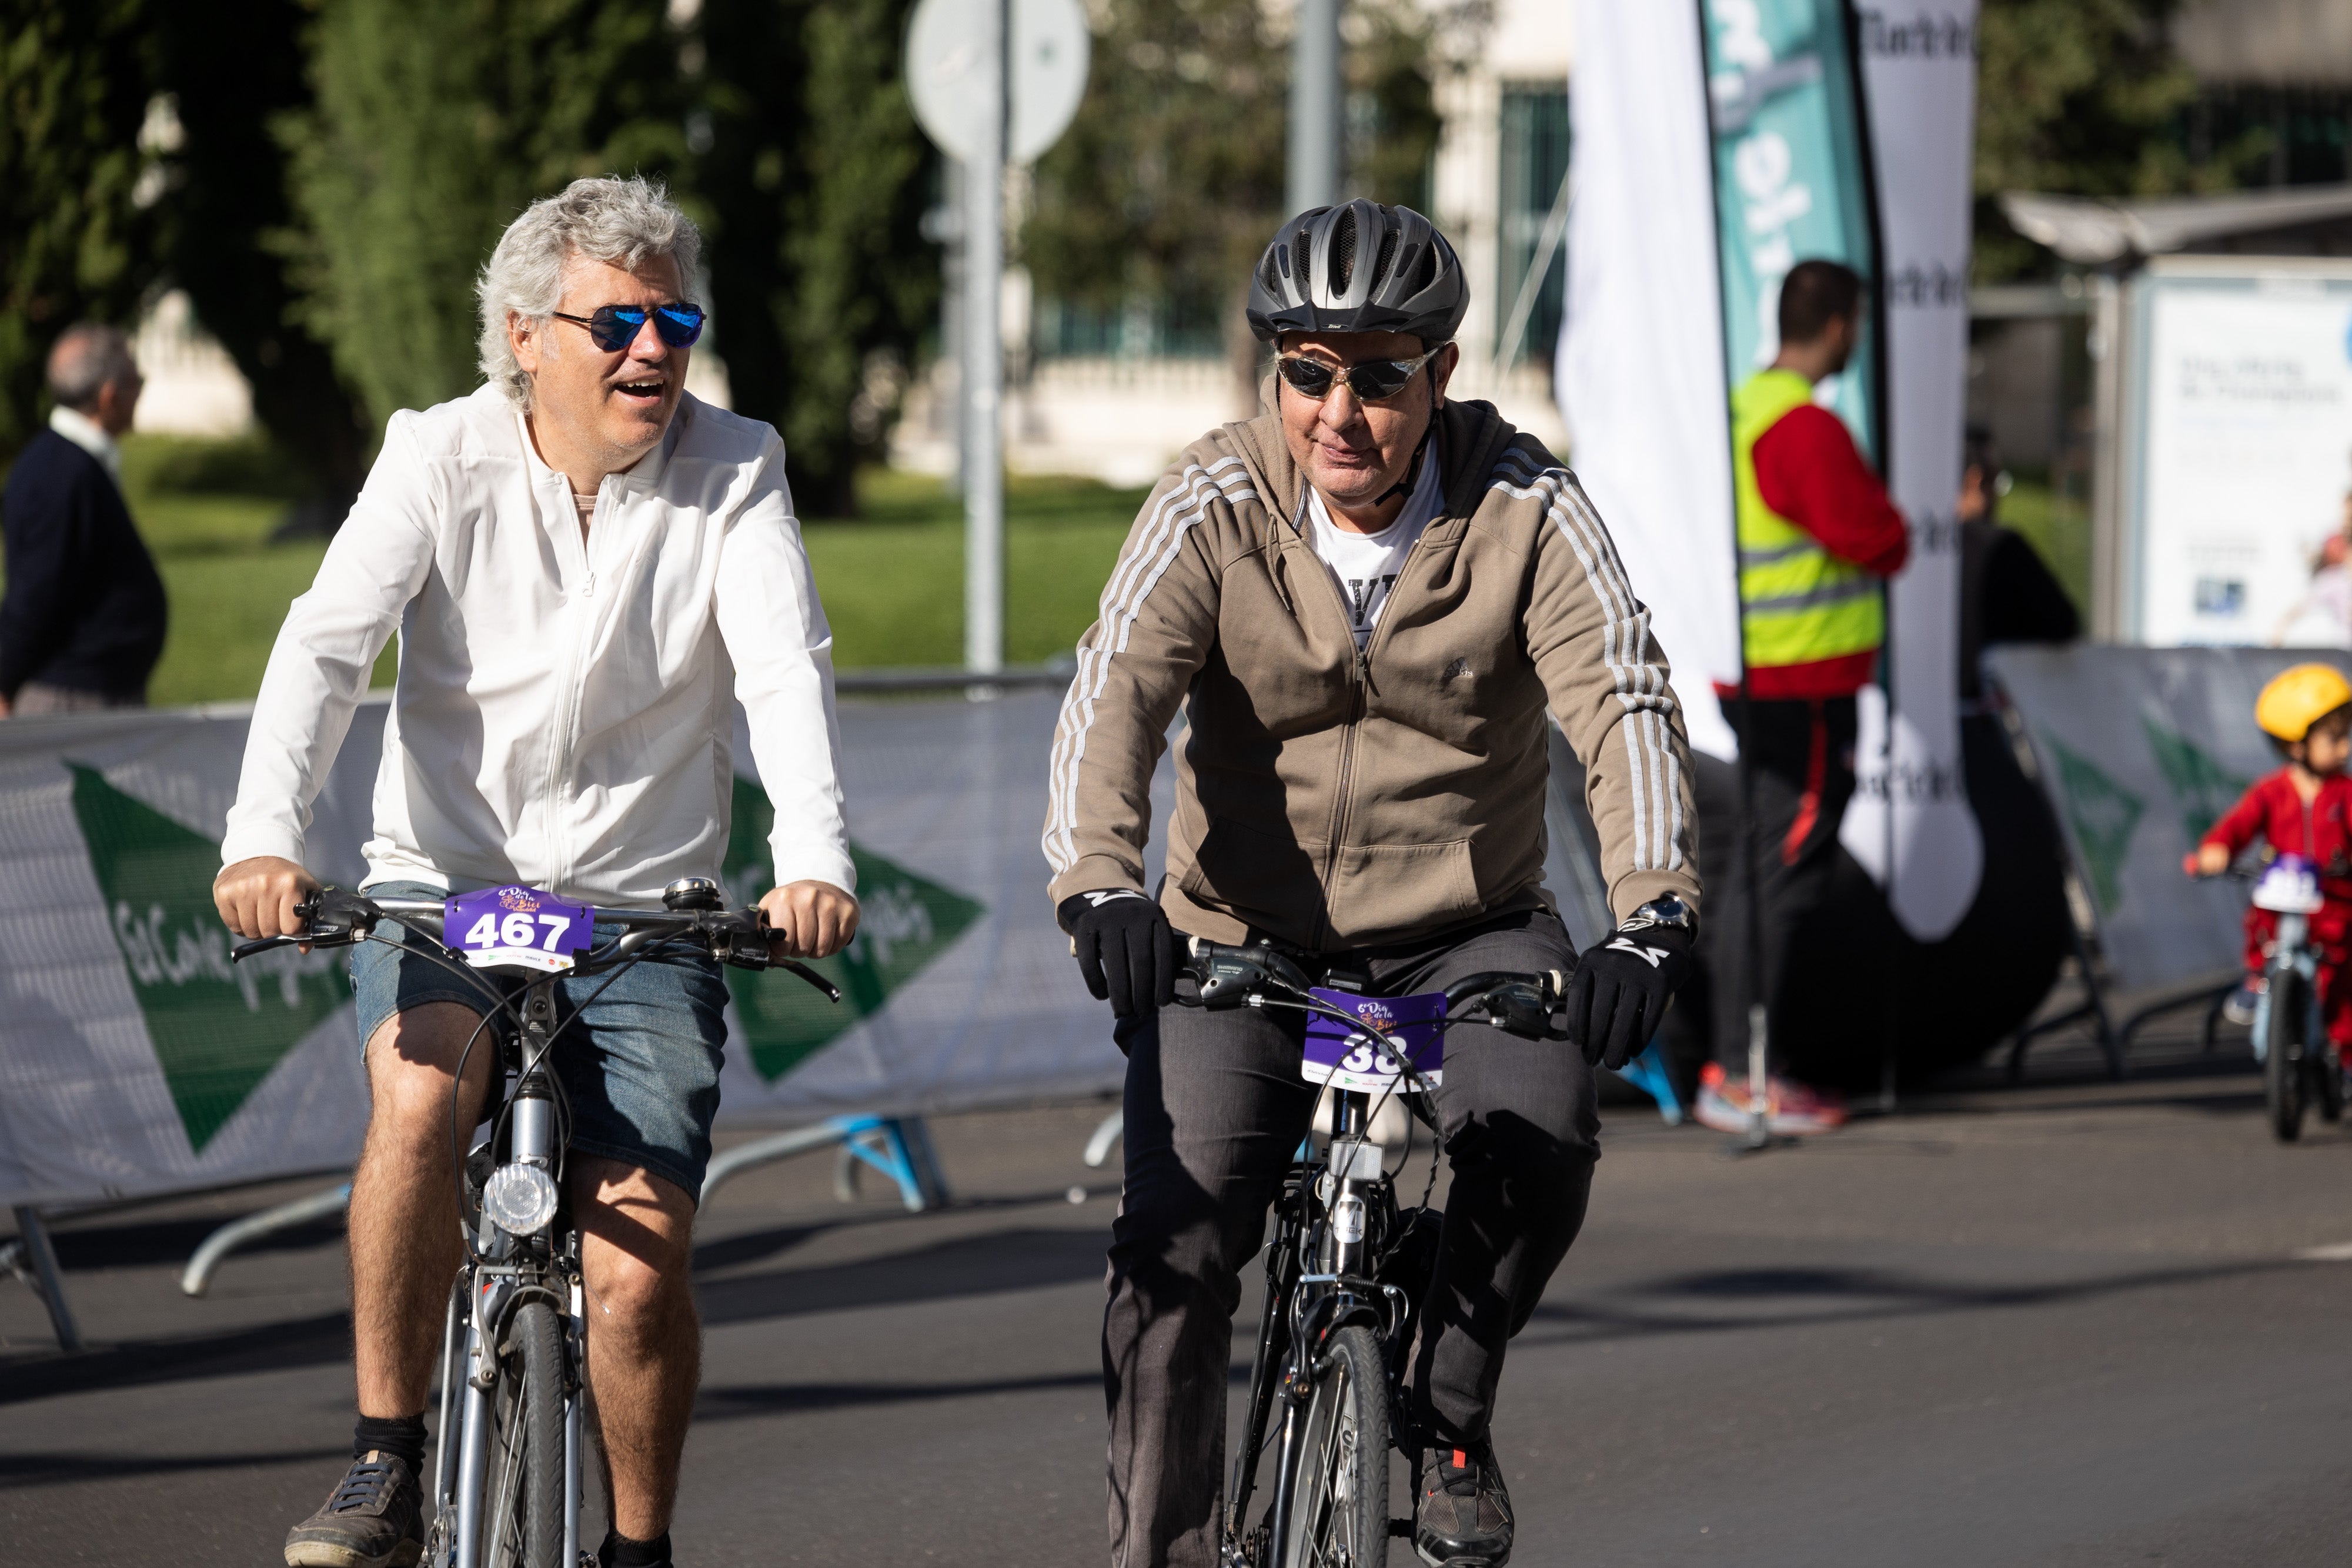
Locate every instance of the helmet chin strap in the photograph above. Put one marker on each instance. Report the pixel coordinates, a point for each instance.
(1412, 470)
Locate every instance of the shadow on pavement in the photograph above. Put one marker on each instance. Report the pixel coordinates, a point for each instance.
(55, 1469)
(1021, 1260)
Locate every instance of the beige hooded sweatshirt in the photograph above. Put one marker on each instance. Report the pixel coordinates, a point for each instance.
(1335, 801)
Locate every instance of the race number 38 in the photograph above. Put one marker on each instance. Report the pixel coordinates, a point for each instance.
(515, 926)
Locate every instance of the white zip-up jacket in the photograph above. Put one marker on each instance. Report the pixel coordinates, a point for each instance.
(564, 715)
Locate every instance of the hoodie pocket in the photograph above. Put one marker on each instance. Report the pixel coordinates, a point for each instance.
(1393, 890)
(1247, 870)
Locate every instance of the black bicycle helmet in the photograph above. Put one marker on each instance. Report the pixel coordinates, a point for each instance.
(1359, 267)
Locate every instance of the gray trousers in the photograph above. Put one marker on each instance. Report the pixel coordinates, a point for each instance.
(1214, 1110)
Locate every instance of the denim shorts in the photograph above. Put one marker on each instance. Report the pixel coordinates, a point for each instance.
(640, 1064)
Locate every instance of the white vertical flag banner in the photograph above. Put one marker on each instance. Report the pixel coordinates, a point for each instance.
(1641, 372)
(1919, 84)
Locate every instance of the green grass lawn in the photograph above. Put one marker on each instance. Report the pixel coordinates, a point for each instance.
(892, 580)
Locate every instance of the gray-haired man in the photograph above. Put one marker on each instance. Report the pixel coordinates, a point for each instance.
(585, 565)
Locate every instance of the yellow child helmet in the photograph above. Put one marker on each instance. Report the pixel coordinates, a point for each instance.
(2300, 698)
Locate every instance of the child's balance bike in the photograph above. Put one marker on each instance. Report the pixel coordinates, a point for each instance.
(2299, 1066)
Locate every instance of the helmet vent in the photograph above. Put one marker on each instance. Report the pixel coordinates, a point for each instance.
(1282, 256)
(1343, 251)
(1266, 276)
(1424, 272)
(1381, 273)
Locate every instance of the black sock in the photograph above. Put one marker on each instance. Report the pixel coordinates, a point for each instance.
(400, 1435)
(620, 1551)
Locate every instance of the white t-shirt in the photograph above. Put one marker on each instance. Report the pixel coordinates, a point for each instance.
(1365, 566)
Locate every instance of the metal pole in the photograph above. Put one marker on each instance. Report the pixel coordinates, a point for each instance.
(43, 1259)
(983, 372)
(1314, 175)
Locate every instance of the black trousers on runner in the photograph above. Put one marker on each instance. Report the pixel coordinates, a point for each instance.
(1802, 752)
(1214, 1110)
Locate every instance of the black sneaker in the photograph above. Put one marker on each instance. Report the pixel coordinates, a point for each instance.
(1463, 1520)
(373, 1518)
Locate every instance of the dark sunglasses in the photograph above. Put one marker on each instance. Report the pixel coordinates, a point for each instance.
(613, 327)
(1371, 379)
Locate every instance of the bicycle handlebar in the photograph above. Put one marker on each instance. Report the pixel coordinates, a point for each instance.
(1229, 977)
(735, 936)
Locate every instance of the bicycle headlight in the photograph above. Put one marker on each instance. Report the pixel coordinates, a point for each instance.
(519, 1200)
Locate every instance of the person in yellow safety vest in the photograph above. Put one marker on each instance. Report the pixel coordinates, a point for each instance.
(1818, 535)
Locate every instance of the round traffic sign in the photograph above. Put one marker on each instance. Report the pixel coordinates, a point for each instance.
(948, 79)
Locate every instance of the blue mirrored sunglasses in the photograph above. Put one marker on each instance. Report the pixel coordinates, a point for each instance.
(613, 327)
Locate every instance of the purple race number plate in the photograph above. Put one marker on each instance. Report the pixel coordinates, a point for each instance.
(1345, 1059)
(517, 927)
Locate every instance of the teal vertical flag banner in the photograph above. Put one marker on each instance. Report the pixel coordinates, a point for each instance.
(1791, 178)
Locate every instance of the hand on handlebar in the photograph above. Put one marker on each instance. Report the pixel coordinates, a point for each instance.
(257, 897)
(2206, 860)
(809, 920)
(1621, 990)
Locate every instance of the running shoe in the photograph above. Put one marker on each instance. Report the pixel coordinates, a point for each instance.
(1463, 1520)
(2240, 1007)
(373, 1518)
(1791, 1110)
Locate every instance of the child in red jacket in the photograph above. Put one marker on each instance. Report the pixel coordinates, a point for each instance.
(2304, 809)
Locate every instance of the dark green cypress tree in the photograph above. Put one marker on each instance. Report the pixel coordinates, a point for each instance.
(435, 123)
(234, 67)
(815, 174)
(75, 83)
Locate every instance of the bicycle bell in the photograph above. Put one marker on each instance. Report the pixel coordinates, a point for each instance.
(691, 893)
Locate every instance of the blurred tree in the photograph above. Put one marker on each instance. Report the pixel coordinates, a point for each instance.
(435, 123)
(1170, 179)
(820, 279)
(233, 67)
(2082, 98)
(79, 222)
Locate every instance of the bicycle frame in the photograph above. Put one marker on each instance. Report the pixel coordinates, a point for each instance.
(1335, 1215)
(502, 1271)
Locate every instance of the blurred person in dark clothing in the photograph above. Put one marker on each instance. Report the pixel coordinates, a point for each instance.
(81, 624)
(2007, 594)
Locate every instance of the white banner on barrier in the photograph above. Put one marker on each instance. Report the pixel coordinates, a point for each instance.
(134, 1059)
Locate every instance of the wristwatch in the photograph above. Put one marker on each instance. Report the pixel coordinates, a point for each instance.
(1667, 909)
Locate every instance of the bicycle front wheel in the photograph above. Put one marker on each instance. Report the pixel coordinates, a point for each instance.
(526, 1501)
(1339, 1489)
(2283, 1053)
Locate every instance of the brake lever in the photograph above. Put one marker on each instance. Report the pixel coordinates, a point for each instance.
(760, 956)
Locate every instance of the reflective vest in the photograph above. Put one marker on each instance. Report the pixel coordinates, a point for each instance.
(1799, 603)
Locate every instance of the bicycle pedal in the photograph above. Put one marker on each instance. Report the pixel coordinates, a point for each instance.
(1401, 1527)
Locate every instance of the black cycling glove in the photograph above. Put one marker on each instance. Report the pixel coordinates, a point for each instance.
(1621, 988)
(1125, 947)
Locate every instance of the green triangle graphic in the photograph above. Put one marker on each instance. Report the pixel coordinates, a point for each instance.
(2202, 787)
(2103, 813)
(907, 922)
(218, 1029)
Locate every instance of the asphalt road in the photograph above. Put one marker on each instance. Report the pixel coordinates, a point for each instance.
(2069, 1323)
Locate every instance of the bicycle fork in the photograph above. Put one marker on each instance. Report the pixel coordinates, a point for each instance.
(1341, 1253)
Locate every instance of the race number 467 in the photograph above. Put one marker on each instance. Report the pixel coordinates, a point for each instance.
(517, 926)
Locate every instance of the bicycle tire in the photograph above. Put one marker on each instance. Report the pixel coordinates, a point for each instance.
(1340, 1483)
(2283, 1055)
(2327, 1079)
(529, 1533)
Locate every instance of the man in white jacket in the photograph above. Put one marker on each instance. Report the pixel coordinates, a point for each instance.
(587, 569)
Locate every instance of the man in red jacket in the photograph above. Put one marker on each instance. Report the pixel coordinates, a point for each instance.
(1817, 536)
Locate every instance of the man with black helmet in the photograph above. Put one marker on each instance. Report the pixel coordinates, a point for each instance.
(1364, 599)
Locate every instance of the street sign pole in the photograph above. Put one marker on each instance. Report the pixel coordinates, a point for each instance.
(1314, 173)
(993, 82)
(984, 359)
